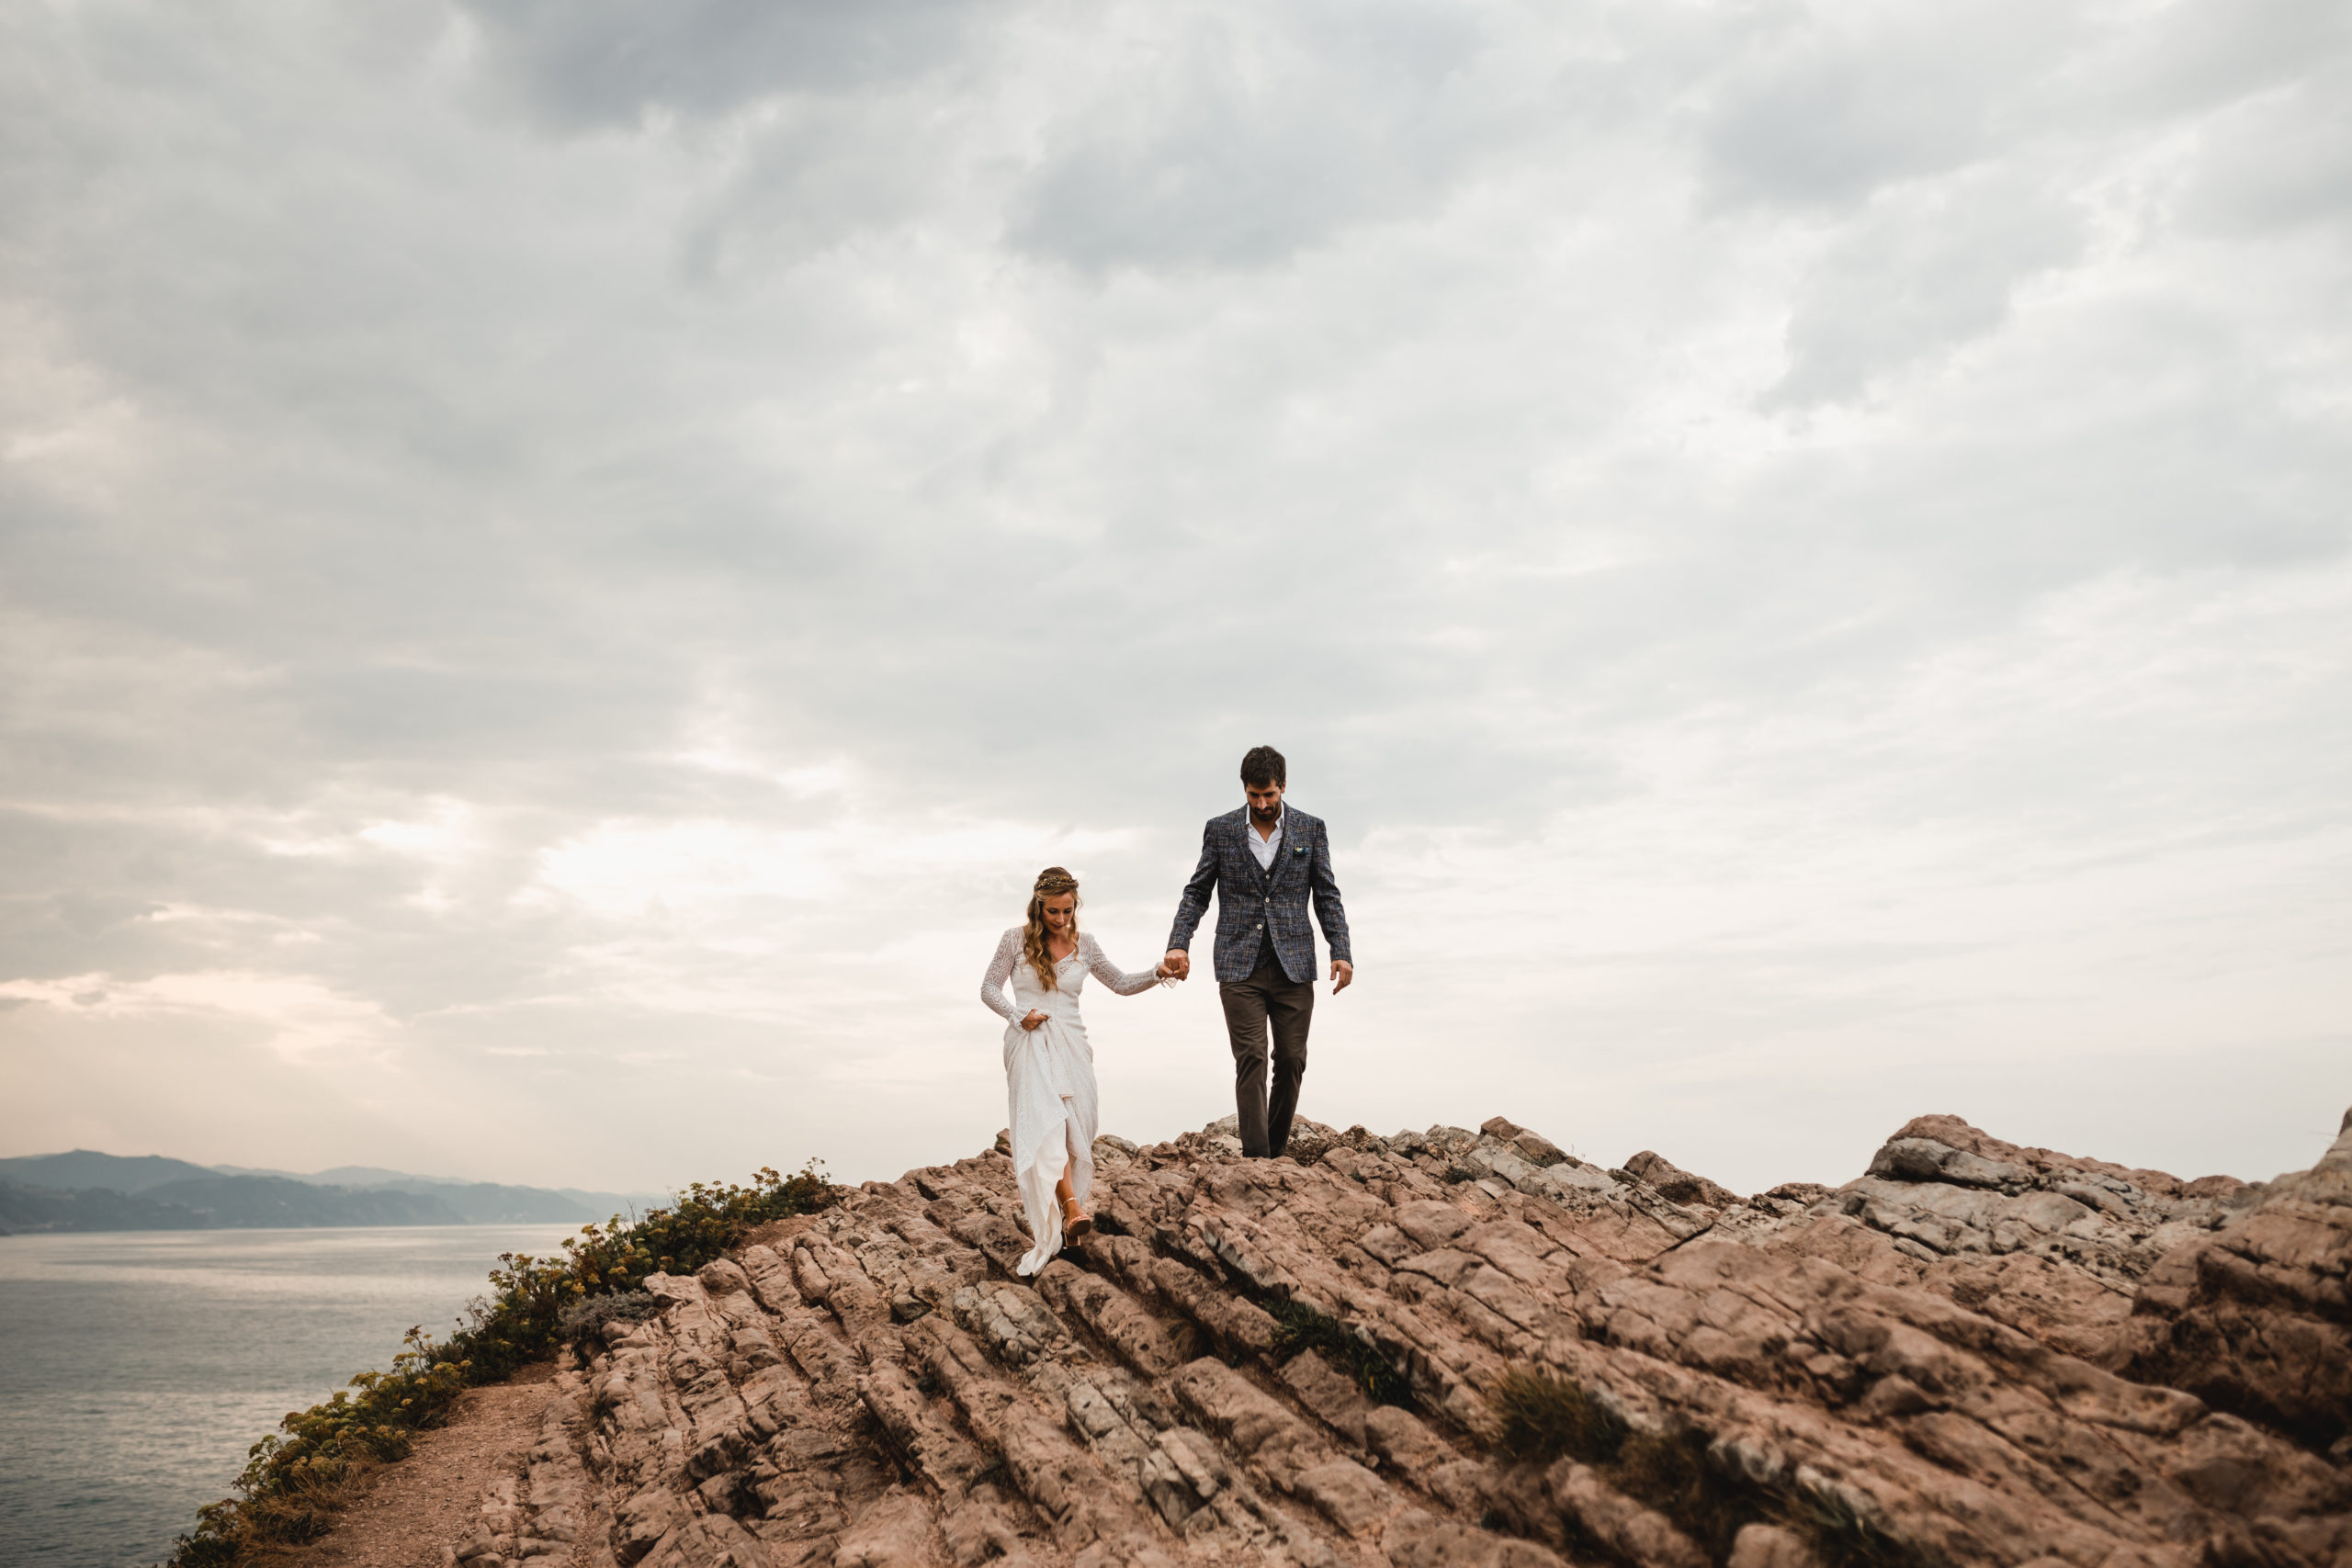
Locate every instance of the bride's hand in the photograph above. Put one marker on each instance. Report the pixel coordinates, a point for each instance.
(1034, 1019)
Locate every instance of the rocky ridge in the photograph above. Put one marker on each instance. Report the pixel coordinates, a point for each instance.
(1468, 1350)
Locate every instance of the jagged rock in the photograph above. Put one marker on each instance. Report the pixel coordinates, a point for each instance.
(2256, 1318)
(1300, 1362)
(1536, 1148)
(1677, 1185)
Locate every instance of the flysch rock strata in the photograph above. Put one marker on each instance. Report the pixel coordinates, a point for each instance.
(1940, 1354)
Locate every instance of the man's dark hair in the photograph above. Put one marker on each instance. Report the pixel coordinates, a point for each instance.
(1262, 766)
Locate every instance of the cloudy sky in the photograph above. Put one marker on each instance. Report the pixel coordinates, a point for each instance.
(563, 563)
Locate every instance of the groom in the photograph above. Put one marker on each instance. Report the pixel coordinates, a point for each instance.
(1264, 860)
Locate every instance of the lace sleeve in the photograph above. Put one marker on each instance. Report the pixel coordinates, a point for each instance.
(1103, 969)
(992, 984)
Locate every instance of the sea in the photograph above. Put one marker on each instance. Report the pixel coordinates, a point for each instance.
(137, 1368)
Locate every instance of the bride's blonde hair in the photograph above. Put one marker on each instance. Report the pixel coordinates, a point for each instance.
(1051, 881)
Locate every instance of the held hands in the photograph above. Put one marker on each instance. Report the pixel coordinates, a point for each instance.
(1034, 1019)
(1177, 965)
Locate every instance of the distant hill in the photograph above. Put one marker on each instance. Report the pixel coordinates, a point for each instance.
(214, 1202)
(23, 1208)
(239, 1197)
(87, 1167)
(250, 1202)
(482, 1202)
(487, 1204)
(341, 1176)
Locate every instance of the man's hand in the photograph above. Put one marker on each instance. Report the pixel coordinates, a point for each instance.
(1034, 1019)
(1178, 963)
(1341, 973)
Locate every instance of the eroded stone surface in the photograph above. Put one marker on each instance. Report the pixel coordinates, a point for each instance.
(1937, 1349)
(2258, 1317)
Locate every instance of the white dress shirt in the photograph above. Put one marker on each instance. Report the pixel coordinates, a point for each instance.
(1264, 848)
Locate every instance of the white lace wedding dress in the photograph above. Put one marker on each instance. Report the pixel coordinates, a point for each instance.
(1049, 1078)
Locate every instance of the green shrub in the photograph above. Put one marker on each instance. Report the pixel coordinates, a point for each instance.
(584, 1317)
(297, 1479)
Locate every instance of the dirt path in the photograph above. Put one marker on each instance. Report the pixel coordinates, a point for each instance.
(408, 1515)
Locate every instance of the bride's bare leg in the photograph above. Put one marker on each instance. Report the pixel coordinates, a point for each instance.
(1075, 1222)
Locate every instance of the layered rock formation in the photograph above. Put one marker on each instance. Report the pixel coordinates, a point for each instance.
(1457, 1349)
(2258, 1317)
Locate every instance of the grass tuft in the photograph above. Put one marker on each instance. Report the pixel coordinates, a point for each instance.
(1669, 1471)
(1843, 1538)
(1541, 1416)
(1298, 1327)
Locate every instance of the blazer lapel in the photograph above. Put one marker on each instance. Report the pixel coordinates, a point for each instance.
(1243, 831)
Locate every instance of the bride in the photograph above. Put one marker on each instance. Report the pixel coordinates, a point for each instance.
(1049, 1065)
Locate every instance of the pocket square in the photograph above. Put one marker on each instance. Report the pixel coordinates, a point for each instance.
(1298, 850)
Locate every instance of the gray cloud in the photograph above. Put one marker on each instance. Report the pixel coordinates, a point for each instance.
(1833, 103)
(2207, 53)
(2281, 161)
(1914, 277)
(1226, 144)
(607, 63)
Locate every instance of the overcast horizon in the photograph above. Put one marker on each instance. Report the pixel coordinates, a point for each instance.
(562, 566)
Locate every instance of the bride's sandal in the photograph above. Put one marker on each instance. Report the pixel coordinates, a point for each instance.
(1076, 1222)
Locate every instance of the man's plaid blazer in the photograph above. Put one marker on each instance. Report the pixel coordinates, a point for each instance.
(1253, 904)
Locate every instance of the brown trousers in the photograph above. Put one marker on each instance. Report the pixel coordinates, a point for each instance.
(1269, 997)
